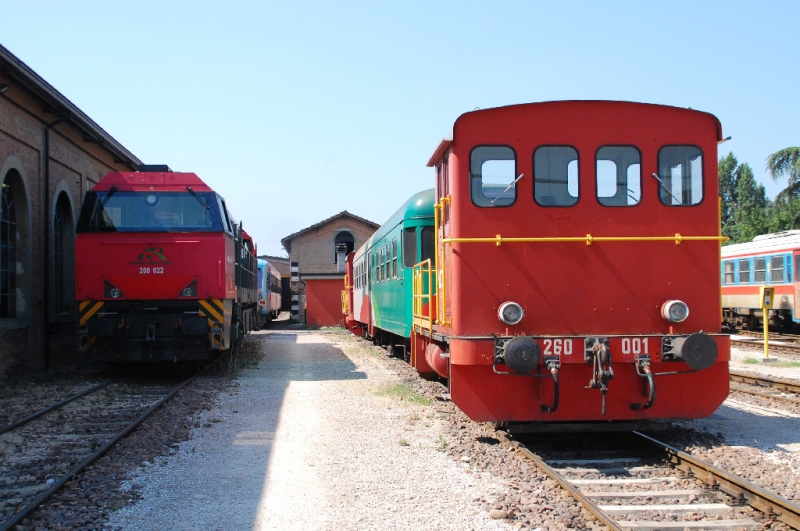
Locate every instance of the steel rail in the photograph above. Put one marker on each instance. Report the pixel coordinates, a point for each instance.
(34, 416)
(771, 382)
(762, 500)
(787, 348)
(25, 511)
(575, 493)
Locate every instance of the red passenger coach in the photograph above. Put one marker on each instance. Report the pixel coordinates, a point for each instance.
(163, 272)
(577, 264)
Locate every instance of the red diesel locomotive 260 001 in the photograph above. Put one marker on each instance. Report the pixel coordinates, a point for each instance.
(576, 270)
(163, 272)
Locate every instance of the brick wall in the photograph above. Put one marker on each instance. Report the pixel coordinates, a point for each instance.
(75, 165)
(314, 252)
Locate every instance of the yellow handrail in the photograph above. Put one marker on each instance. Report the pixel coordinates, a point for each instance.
(345, 296)
(441, 259)
(588, 239)
(423, 275)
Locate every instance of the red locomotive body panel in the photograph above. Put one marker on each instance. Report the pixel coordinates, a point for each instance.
(162, 271)
(584, 266)
(153, 266)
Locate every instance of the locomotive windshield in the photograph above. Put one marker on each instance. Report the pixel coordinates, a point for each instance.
(116, 211)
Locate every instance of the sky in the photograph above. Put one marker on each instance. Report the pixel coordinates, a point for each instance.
(295, 111)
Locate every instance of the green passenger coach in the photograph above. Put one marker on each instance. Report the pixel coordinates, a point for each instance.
(381, 279)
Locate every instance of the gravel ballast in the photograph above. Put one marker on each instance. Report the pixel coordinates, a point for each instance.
(330, 433)
(315, 438)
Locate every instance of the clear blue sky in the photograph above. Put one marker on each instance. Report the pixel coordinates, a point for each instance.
(295, 111)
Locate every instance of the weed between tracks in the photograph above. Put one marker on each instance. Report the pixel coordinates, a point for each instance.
(245, 356)
(781, 364)
(405, 393)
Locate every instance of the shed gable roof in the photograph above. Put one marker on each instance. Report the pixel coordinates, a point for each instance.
(287, 241)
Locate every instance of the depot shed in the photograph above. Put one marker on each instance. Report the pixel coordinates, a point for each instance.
(317, 255)
(51, 153)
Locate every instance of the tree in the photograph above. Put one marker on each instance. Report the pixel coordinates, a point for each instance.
(784, 215)
(751, 206)
(727, 191)
(786, 163)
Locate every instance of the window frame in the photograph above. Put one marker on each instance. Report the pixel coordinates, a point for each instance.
(394, 257)
(759, 272)
(782, 269)
(662, 186)
(516, 173)
(732, 272)
(9, 219)
(533, 174)
(739, 270)
(596, 183)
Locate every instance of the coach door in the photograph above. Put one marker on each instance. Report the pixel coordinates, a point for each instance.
(796, 303)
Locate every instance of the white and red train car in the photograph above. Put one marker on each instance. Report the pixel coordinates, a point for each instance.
(770, 259)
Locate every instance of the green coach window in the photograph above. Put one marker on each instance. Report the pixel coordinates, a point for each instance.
(409, 247)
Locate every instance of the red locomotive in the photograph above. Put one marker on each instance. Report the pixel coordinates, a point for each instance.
(576, 273)
(163, 272)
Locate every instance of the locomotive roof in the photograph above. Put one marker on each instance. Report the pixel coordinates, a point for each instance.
(766, 243)
(419, 206)
(135, 181)
(567, 107)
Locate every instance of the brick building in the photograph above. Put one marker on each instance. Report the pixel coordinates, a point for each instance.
(50, 154)
(317, 255)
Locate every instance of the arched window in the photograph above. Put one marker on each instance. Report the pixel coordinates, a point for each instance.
(8, 252)
(343, 245)
(63, 256)
(15, 270)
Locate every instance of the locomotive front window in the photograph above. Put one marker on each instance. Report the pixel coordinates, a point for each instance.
(776, 269)
(555, 176)
(115, 211)
(730, 273)
(760, 270)
(619, 176)
(744, 271)
(492, 178)
(680, 175)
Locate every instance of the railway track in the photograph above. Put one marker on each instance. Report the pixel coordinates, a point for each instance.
(636, 482)
(785, 344)
(45, 449)
(772, 388)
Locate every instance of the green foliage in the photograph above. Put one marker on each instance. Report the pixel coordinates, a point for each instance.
(745, 208)
(786, 163)
(727, 191)
(405, 393)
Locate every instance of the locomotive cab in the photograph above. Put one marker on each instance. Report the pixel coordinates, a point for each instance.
(577, 264)
(163, 271)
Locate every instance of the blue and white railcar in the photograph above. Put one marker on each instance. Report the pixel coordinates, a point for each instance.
(269, 292)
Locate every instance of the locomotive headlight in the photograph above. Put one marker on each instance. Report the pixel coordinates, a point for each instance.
(110, 291)
(190, 290)
(510, 313)
(675, 311)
